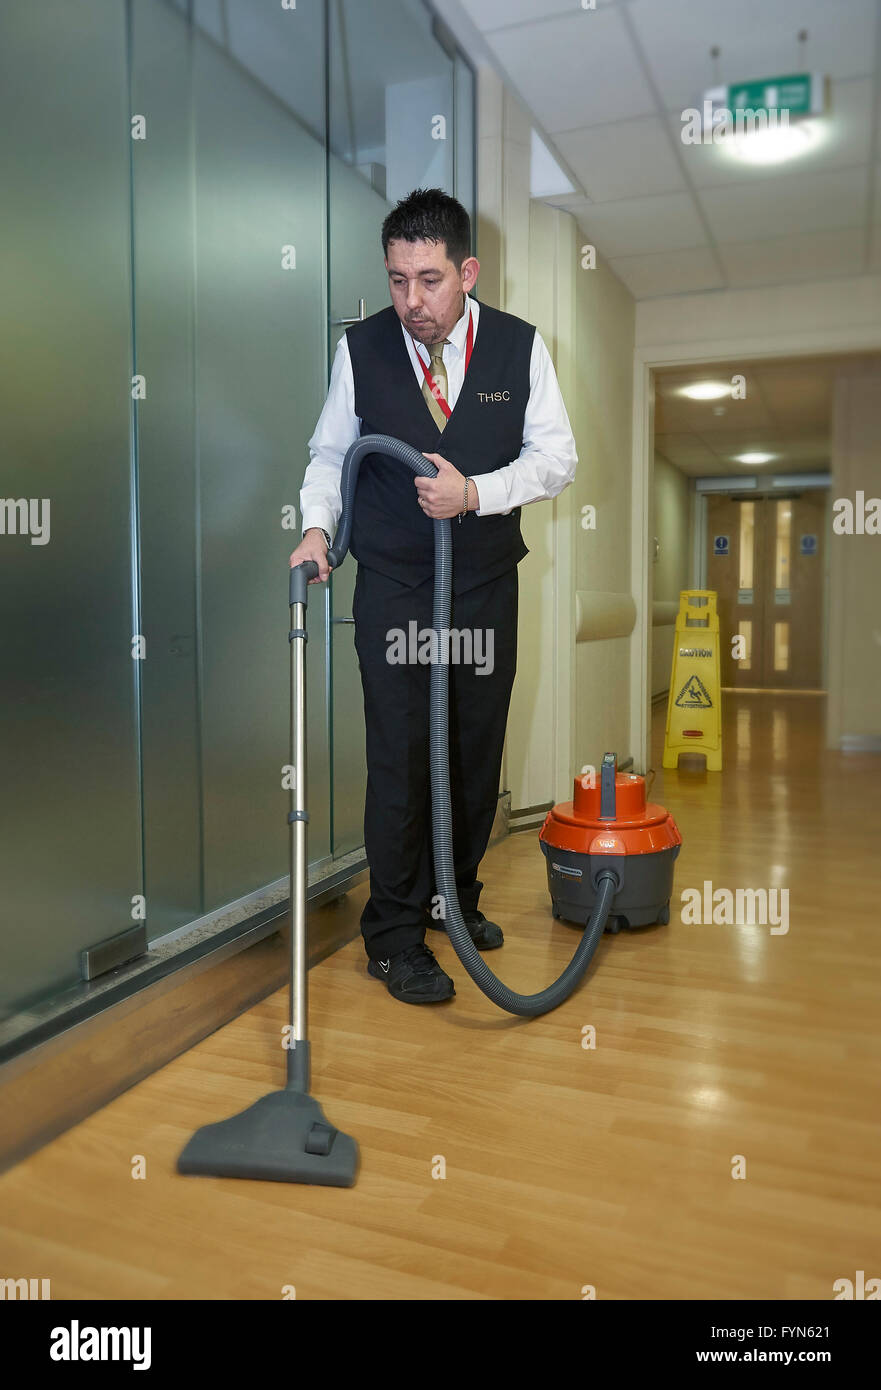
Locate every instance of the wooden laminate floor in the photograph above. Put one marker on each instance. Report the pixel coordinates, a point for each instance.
(565, 1166)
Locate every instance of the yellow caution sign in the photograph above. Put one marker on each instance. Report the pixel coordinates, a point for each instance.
(694, 713)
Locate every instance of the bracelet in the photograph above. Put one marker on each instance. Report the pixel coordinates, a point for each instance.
(465, 506)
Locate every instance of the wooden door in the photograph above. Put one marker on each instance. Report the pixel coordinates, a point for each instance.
(765, 560)
(730, 563)
(792, 590)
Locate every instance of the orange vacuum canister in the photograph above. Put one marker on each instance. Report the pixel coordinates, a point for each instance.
(610, 825)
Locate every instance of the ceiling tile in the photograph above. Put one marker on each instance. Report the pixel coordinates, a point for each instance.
(623, 159)
(682, 449)
(794, 393)
(668, 272)
(844, 139)
(796, 204)
(757, 38)
(575, 71)
(637, 226)
(785, 260)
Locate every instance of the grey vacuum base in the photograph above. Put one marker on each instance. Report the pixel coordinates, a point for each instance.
(283, 1137)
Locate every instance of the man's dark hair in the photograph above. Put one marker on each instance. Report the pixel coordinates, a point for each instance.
(429, 214)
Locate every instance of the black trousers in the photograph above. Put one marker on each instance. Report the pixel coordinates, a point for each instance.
(397, 811)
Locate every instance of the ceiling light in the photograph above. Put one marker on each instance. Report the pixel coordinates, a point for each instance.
(754, 458)
(706, 390)
(772, 145)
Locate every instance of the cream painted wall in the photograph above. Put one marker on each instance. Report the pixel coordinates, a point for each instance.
(854, 669)
(671, 514)
(601, 419)
(570, 700)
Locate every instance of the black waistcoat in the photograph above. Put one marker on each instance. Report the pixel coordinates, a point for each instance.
(390, 532)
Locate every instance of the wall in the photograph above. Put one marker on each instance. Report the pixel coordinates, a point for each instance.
(671, 511)
(854, 670)
(601, 419)
(570, 700)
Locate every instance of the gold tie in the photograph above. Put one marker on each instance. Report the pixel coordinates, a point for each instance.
(439, 372)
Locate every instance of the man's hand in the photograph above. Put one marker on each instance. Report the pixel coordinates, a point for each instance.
(443, 496)
(313, 546)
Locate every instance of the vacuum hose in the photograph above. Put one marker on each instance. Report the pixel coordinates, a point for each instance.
(526, 1005)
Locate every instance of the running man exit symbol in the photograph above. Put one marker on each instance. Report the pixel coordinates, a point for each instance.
(693, 695)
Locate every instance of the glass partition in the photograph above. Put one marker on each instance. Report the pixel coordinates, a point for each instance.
(70, 823)
(179, 237)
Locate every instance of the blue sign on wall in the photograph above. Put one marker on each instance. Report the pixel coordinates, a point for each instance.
(721, 545)
(807, 545)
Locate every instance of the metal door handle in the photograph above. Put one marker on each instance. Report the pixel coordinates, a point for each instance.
(342, 620)
(362, 314)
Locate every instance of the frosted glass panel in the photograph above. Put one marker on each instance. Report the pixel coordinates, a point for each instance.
(260, 354)
(391, 96)
(70, 819)
(166, 433)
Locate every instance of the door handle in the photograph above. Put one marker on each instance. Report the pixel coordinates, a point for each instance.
(362, 314)
(342, 620)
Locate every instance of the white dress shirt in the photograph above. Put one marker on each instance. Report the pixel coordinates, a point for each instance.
(544, 467)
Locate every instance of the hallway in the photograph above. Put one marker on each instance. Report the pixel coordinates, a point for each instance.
(565, 1166)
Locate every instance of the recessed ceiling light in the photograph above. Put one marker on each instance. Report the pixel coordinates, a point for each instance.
(706, 390)
(754, 458)
(773, 145)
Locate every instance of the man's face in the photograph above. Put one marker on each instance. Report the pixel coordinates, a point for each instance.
(427, 289)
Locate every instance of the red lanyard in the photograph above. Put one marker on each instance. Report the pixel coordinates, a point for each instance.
(432, 384)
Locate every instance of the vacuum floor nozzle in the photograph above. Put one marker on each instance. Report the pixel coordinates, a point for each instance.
(283, 1137)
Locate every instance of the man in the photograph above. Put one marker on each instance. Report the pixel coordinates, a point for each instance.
(473, 389)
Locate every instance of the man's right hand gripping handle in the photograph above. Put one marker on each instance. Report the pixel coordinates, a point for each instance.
(313, 546)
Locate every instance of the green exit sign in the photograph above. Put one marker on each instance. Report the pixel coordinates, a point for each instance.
(797, 93)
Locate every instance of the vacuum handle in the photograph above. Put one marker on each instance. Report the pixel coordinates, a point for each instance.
(300, 576)
(608, 774)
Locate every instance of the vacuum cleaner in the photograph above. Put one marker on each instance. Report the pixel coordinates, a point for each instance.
(609, 855)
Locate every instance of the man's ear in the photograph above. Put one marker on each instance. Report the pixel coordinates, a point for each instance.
(470, 272)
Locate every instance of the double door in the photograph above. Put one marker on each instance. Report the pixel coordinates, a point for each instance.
(765, 559)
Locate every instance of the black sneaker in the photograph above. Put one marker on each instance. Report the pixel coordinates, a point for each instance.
(486, 935)
(413, 976)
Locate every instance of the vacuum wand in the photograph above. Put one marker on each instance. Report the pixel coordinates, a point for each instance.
(298, 1055)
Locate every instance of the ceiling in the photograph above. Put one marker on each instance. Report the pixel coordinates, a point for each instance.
(786, 411)
(608, 86)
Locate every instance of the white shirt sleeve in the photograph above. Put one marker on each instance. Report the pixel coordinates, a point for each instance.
(546, 464)
(337, 429)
